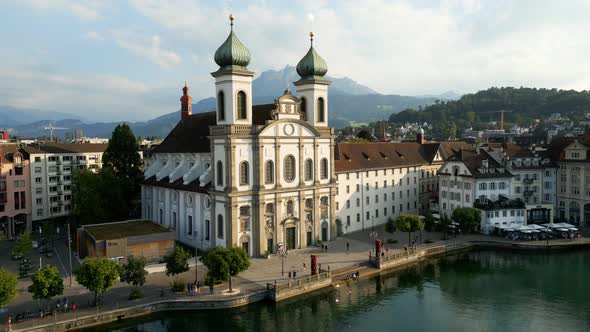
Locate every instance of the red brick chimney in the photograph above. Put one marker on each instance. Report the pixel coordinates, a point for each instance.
(186, 101)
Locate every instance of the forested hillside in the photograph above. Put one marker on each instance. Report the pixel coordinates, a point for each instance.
(473, 110)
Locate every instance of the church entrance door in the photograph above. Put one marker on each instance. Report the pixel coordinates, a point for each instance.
(290, 238)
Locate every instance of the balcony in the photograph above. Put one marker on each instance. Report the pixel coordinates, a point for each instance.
(528, 181)
(528, 193)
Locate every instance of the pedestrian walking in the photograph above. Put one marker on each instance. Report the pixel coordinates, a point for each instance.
(73, 306)
(289, 274)
(198, 287)
(347, 246)
(326, 248)
(294, 274)
(303, 266)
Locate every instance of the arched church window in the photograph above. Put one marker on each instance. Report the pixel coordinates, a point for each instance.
(321, 110)
(308, 170)
(324, 168)
(269, 170)
(289, 168)
(244, 172)
(221, 105)
(241, 104)
(219, 173)
(220, 226)
(303, 108)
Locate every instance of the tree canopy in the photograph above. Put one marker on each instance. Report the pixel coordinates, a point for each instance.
(224, 263)
(133, 272)
(409, 223)
(122, 153)
(8, 283)
(97, 274)
(98, 197)
(24, 245)
(47, 283)
(177, 261)
(468, 218)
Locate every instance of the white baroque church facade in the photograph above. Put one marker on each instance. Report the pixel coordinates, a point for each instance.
(244, 175)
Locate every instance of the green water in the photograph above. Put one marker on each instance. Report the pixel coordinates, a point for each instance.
(476, 291)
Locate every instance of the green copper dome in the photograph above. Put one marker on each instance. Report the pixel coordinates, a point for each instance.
(232, 53)
(312, 65)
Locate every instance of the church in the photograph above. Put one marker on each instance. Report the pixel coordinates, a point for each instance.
(257, 176)
(244, 175)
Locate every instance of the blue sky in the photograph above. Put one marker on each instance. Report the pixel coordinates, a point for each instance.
(112, 60)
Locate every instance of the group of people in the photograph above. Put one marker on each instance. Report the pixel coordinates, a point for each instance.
(194, 288)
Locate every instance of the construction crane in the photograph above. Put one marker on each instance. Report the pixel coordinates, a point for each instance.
(501, 116)
(51, 128)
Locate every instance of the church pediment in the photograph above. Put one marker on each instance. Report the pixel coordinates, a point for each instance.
(287, 107)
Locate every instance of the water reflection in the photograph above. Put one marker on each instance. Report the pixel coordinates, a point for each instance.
(477, 291)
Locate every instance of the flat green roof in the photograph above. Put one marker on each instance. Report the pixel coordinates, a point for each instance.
(123, 229)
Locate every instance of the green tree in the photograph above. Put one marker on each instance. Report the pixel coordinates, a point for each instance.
(390, 226)
(97, 274)
(224, 263)
(98, 197)
(177, 262)
(133, 272)
(8, 283)
(122, 153)
(467, 218)
(409, 223)
(24, 245)
(47, 283)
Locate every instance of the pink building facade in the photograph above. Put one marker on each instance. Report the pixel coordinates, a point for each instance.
(15, 195)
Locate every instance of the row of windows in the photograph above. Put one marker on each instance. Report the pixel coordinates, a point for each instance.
(492, 185)
(289, 171)
(385, 172)
(504, 213)
(376, 214)
(456, 183)
(242, 113)
(455, 196)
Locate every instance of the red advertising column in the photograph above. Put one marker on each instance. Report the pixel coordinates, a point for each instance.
(314, 265)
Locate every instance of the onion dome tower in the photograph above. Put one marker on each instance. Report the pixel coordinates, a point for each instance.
(233, 81)
(312, 87)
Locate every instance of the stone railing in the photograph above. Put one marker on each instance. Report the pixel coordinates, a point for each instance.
(231, 129)
(279, 287)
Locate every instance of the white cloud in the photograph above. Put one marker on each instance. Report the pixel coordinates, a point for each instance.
(149, 49)
(106, 97)
(93, 35)
(399, 46)
(83, 9)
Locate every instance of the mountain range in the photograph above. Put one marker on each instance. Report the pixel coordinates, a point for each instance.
(351, 103)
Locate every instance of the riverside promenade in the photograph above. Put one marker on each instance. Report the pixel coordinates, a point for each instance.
(253, 285)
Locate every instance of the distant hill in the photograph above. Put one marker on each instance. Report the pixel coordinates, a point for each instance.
(350, 103)
(477, 109)
(11, 116)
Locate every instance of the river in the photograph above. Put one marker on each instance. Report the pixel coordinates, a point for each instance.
(475, 291)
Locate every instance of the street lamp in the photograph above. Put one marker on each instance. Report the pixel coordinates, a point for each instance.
(282, 254)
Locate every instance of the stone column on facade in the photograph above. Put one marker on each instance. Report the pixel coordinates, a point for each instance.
(278, 219)
(332, 169)
(302, 230)
(301, 167)
(316, 215)
(317, 165)
(277, 163)
(259, 168)
(227, 169)
(261, 231)
(332, 215)
(232, 167)
(213, 224)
